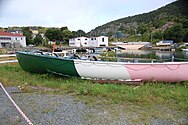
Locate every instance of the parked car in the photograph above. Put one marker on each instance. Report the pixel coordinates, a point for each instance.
(31, 45)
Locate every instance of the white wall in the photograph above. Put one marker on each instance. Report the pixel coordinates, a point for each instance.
(93, 42)
(79, 42)
(72, 42)
(84, 41)
(102, 41)
(20, 39)
(89, 42)
(23, 41)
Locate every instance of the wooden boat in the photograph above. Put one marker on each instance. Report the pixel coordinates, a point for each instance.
(39, 62)
(131, 45)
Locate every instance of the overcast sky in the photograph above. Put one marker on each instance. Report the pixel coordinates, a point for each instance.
(75, 14)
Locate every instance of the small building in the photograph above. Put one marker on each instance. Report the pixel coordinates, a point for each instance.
(93, 42)
(34, 30)
(79, 42)
(165, 43)
(12, 40)
(102, 41)
(89, 42)
(15, 31)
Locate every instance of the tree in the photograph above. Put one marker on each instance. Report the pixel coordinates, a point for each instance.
(119, 34)
(185, 23)
(27, 32)
(185, 38)
(67, 34)
(1, 29)
(64, 28)
(184, 4)
(38, 39)
(175, 33)
(81, 33)
(74, 34)
(157, 35)
(54, 34)
(142, 28)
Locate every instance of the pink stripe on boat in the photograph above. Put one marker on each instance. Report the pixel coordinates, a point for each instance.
(168, 72)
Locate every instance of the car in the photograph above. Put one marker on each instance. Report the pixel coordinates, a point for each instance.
(31, 45)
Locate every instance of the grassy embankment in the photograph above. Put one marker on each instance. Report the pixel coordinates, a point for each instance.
(148, 93)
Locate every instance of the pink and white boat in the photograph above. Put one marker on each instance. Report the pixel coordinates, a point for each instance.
(122, 71)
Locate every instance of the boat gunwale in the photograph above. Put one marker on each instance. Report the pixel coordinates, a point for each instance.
(43, 56)
(131, 63)
(102, 62)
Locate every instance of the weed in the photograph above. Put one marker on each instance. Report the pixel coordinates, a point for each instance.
(146, 94)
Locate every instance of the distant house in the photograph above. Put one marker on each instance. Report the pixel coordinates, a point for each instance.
(165, 43)
(15, 31)
(89, 42)
(11, 40)
(34, 31)
(79, 42)
(102, 41)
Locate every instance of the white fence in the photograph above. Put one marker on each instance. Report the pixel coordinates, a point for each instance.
(8, 61)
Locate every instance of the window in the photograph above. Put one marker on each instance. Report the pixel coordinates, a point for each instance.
(85, 43)
(102, 45)
(5, 38)
(91, 38)
(102, 39)
(85, 39)
(78, 39)
(21, 38)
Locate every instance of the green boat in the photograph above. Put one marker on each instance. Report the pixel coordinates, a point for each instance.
(39, 62)
(42, 62)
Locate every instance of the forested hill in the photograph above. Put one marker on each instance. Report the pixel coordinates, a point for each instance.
(153, 22)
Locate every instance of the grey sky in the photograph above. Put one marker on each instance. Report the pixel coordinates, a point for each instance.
(75, 14)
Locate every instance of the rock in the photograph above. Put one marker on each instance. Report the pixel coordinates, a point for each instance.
(15, 119)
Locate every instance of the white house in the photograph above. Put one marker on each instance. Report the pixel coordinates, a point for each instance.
(89, 42)
(79, 42)
(93, 42)
(102, 41)
(12, 40)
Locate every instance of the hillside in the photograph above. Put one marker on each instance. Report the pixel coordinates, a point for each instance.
(168, 22)
(153, 22)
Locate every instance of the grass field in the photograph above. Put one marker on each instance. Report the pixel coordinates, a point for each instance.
(174, 95)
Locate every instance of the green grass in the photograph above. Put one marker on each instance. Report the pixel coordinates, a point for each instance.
(174, 95)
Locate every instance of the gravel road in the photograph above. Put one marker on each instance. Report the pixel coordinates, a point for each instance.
(53, 109)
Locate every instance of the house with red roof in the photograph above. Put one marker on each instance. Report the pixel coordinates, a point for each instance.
(12, 40)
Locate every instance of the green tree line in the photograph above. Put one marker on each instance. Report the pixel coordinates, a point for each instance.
(58, 35)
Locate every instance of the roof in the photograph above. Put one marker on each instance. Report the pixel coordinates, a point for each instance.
(15, 30)
(9, 34)
(33, 28)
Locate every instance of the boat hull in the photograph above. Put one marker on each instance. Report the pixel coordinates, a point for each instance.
(45, 64)
(167, 72)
